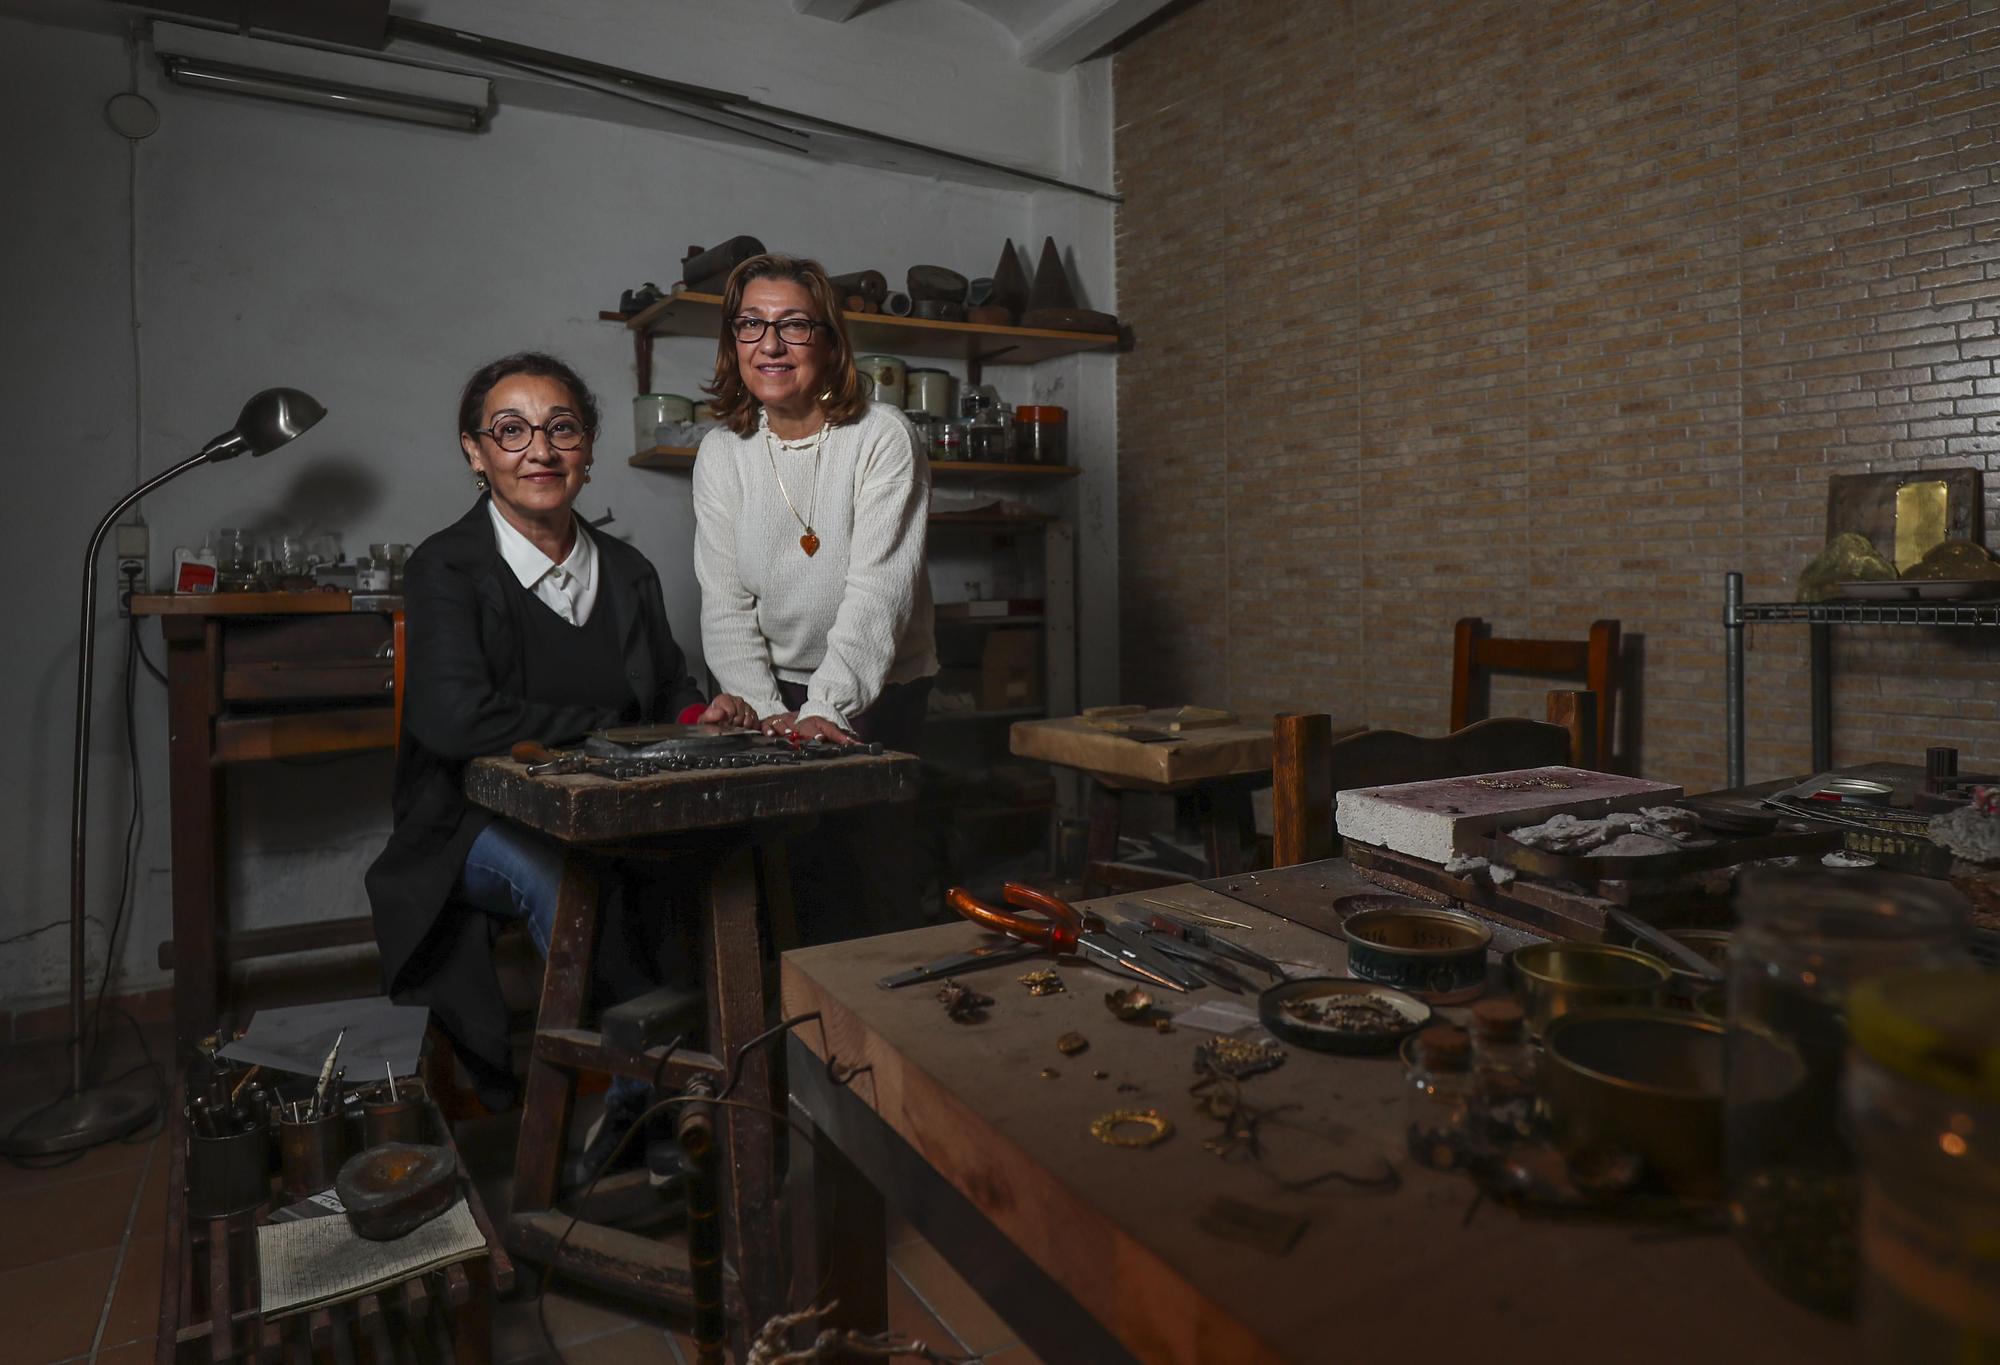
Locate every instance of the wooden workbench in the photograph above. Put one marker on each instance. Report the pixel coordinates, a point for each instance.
(1095, 1253)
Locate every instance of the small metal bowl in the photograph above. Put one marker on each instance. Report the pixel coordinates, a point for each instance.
(1643, 1081)
(1277, 1006)
(1436, 955)
(1556, 978)
(1712, 944)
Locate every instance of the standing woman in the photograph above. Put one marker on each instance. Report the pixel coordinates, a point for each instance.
(811, 508)
(523, 624)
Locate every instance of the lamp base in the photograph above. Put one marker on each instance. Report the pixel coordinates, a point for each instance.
(80, 1120)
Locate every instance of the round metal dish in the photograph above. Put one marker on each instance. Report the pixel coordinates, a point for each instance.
(1412, 1014)
(1857, 789)
(1644, 1081)
(1436, 955)
(1555, 979)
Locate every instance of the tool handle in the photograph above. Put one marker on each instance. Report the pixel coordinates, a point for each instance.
(1172, 928)
(1054, 907)
(531, 751)
(1057, 932)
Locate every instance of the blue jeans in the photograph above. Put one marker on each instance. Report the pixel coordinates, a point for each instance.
(514, 873)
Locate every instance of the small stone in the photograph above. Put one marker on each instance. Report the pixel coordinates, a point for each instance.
(1071, 1043)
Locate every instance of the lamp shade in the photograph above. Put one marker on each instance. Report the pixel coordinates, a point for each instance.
(268, 420)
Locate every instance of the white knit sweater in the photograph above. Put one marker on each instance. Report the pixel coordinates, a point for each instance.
(844, 621)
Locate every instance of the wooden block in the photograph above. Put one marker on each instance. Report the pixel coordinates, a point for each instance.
(1453, 815)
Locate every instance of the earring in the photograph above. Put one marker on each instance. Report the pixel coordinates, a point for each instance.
(479, 479)
(586, 473)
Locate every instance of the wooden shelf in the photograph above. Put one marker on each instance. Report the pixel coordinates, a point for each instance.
(312, 602)
(682, 457)
(700, 315)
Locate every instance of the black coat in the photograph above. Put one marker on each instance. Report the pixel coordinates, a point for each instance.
(463, 697)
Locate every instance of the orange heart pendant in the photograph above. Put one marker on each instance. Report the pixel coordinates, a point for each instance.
(809, 543)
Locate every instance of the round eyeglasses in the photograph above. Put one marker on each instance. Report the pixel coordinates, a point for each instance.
(793, 331)
(516, 434)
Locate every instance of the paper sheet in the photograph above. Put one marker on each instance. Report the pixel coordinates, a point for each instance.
(297, 1038)
(317, 1261)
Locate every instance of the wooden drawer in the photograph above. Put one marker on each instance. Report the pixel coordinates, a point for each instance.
(307, 658)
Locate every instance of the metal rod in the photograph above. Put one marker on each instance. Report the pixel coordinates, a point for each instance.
(1822, 696)
(79, 805)
(1732, 685)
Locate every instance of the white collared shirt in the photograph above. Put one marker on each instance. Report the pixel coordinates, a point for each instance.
(569, 588)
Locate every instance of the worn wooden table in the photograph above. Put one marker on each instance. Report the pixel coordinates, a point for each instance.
(726, 825)
(1094, 1253)
(254, 676)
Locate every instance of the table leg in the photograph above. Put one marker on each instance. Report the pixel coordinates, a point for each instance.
(192, 649)
(1226, 818)
(551, 1090)
(1101, 845)
(843, 1242)
(734, 974)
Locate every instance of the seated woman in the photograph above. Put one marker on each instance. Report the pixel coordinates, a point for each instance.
(811, 507)
(522, 625)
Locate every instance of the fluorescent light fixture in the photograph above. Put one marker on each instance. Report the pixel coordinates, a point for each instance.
(201, 74)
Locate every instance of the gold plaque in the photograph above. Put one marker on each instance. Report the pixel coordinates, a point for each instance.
(1920, 521)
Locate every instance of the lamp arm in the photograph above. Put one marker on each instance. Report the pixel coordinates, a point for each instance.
(80, 789)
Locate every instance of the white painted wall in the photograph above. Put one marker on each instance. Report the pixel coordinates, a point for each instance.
(375, 265)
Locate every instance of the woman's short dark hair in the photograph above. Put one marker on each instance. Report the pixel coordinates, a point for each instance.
(734, 405)
(472, 400)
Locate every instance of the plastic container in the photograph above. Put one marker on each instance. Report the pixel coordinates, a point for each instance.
(1041, 434)
(1923, 1104)
(1807, 939)
(1439, 1096)
(929, 391)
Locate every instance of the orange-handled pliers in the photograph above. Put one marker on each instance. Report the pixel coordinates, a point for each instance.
(1058, 925)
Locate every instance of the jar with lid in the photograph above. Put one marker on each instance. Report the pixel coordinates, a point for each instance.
(991, 436)
(953, 434)
(1923, 1103)
(1807, 939)
(1503, 1067)
(1041, 434)
(1438, 1095)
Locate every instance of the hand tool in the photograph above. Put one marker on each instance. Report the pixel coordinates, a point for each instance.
(1060, 928)
(1133, 936)
(1212, 966)
(993, 954)
(326, 1074)
(1214, 943)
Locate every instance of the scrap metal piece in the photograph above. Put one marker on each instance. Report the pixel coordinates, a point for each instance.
(962, 1004)
(1237, 1057)
(1115, 1129)
(1072, 1043)
(1049, 1073)
(1132, 1004)
(1043, 981)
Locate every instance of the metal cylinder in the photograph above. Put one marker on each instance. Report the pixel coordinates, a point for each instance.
(696, 1133)
(401, 1119)
(229, 1174)
(310, 1153)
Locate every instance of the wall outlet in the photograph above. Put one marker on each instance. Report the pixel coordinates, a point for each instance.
(131, 579)
(131, 542)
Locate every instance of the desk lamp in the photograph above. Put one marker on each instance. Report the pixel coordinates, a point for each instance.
(83, 1117)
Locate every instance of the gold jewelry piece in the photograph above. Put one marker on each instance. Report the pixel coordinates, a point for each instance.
(479, 481)
(809, 542)
(1106, 1129)
(1043, 981)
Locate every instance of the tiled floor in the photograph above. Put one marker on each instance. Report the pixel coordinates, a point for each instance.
(80, 1252)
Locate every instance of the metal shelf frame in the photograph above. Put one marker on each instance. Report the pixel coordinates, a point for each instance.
(1819, 618)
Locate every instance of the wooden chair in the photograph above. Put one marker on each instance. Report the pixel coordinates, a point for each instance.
(1475, 656)
(1309, 768)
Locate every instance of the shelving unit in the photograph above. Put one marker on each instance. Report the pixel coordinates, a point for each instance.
(1820, 618)
(688, 314)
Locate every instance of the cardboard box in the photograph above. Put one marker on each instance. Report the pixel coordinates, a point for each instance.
(1010, 670)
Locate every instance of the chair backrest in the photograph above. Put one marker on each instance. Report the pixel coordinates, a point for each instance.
(1476, 655)
(1309, 769)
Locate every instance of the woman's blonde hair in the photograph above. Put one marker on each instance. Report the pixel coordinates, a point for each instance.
(841, 401)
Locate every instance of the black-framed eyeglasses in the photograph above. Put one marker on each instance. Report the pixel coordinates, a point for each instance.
(793, 331)
(516, 434)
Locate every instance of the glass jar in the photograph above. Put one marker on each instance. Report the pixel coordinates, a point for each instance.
(953, 439)
(991, 437)
(1503, 1067)
(1923, 1104)
(1438, 1095)
(1041, 434)
(1807, 938)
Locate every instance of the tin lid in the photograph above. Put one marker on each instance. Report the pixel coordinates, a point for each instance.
(1445, 1045)
(1047, 412)
(1937, 1028)
(1498, 1018)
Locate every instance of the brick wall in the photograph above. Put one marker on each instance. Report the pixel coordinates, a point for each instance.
(1543, 313)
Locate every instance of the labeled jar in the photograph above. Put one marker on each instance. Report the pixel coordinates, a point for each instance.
(1438, 1097)
(1923, 1104)
(1806, 940)
(1041, 434)
(887, 374)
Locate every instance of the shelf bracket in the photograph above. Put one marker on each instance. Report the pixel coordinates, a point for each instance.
(976, 359)
(642, 357)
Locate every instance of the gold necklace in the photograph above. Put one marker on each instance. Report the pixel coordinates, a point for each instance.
(809, 542)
